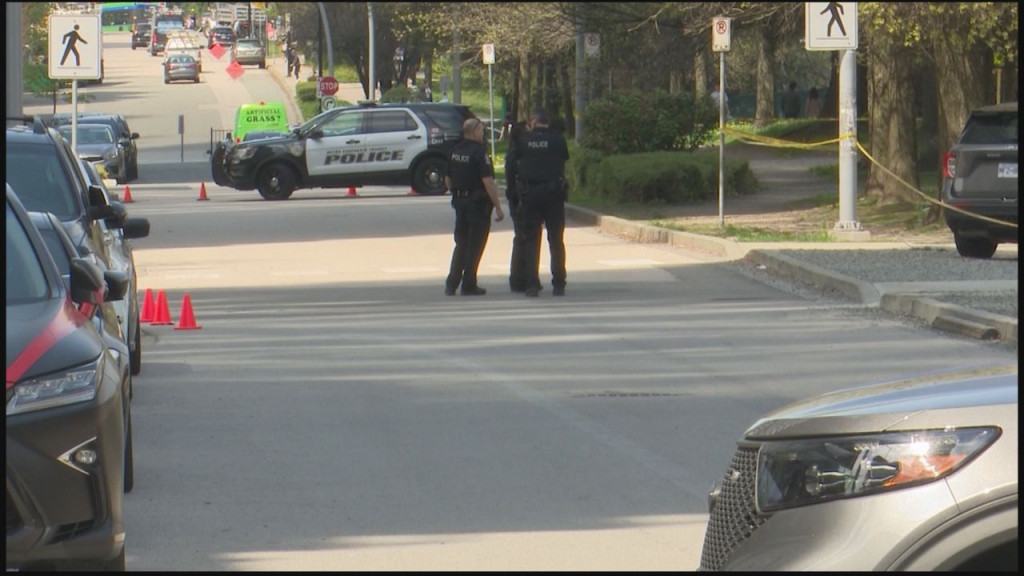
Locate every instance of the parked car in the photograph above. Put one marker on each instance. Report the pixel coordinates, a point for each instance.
(97, 143)
(141, 35)
(121, 129)
(68, 413)
(249, 51)
(979, 175)
(222, 35)
(181, 67)
(118, 232)
(369, 144)
(184, 42)
(913, 475)
(50, 178)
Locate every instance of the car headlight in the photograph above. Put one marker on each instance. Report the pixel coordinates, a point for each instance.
(67, 387)
(110, 155)
(242, 153)
(801, 472)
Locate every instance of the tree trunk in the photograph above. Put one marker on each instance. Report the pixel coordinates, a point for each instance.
(700, 74)
(526, 90)
(765, 109)
(570, 112)
(892, 127)
(516, 90)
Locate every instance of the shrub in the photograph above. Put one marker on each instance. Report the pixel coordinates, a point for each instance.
(306, 91)
(632, 122)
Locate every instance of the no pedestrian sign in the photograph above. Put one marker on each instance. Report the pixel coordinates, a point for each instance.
(830, 25)
(75, 47)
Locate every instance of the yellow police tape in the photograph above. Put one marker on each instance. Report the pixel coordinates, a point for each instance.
(759, 140)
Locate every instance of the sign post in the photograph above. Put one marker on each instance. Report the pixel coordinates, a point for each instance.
(833, 26)
(721, 38)
(488, 50)
(75, 49)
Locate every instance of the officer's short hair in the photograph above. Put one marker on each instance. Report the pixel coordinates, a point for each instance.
(540, 116)
(470, 125)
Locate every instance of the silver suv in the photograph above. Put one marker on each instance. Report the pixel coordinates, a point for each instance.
(915, 475)
(980, 178)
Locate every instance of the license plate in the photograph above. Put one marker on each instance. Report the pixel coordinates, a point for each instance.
(1007, 170)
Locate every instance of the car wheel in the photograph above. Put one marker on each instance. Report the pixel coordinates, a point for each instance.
(129, 454)
(974, 247)
(263, 64)
(428, 176)
(135, 169)
(135, 355)
(166, 81)
(276, 181)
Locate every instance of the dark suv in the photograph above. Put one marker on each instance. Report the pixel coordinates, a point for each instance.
(141, 35)
(365, 145)
(123, 134)
(222, 35)
(46, 175)
(68, 412)
(980, 178)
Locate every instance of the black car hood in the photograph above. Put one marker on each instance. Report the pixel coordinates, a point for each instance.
(92, 150)
(46, 336)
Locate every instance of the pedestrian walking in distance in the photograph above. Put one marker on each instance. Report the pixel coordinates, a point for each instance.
(297, 63)
(544, 194)
(470, 179)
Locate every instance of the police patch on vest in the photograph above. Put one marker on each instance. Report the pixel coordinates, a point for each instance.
(537, 144)
(362, 157)
(461, 158)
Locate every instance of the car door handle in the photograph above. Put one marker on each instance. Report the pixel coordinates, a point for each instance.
(352, 142)
(414, 137)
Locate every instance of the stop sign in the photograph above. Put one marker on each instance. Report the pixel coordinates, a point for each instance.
(328, 86)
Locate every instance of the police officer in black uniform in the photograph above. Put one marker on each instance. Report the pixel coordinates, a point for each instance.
(513, 193)
(544, 193)
(470, 179)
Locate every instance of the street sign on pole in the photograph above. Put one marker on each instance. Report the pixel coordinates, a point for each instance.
(721, 34)
(328, 86)
(830, 25)
(488, 53)
(75, 47)
(327, 102)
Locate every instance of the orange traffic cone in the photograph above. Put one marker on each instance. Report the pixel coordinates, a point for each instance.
(188, 319)
(202, 192)
(127, 195)
(148, 307)
(163, 311)
(413, 192)
(352, 191)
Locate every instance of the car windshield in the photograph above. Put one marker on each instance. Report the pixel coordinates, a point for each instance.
(39, 179)
(248, 44)
(989, 128)
(25, 277)
(182, 59)
(89, 134)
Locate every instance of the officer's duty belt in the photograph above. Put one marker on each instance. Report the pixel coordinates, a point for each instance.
(463, 193)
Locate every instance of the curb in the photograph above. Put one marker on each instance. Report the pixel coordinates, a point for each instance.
(940, 315)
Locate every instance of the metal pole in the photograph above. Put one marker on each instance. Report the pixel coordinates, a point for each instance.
(721, 139)
(581, 77)
(848, 143)
(74, 115)
(327, 35)
(456, 68)
(490, 90)
(13, 70)
(373, 61)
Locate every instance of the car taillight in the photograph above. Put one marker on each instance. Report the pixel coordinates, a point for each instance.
(949, 164)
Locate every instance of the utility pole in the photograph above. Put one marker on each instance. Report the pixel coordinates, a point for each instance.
(581, 77)
(373, 64)
(456, 68)
(13, 71)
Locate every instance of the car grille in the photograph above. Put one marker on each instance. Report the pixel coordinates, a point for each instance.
(14, 521)
(734, 517)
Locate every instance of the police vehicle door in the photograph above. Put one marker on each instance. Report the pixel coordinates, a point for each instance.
(394, 137)
(342, 144)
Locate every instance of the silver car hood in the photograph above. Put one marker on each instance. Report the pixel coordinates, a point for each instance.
(923, 402)
(95, 150)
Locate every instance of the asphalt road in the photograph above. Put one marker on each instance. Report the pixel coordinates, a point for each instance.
(335, 411)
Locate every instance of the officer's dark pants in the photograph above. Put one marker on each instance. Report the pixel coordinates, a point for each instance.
(543, 206)
(472, 227)
(519, 264)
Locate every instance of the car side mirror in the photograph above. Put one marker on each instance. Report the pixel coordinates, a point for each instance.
(117, 284)
(87, 282)
(316, 134)
(135, 135)
(116, 220)
(135, 228)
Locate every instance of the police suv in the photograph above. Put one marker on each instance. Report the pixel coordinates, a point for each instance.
(370, 144)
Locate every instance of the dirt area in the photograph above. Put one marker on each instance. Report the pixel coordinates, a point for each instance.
(792, 200)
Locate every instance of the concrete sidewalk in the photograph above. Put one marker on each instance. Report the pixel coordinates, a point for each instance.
(278, 68)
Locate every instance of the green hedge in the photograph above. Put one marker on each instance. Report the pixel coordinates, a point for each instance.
(306, 91)
(656, 177)
(631, 122)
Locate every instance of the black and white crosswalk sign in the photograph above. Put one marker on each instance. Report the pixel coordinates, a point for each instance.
(830, 25)
(75, 46)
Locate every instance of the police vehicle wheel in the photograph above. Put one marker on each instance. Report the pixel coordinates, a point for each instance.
(428, 177)
(276, 182)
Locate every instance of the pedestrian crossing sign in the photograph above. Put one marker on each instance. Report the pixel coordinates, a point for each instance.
(830, 25)
(75, 47)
